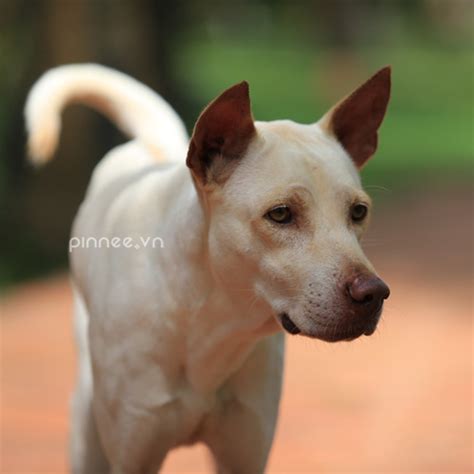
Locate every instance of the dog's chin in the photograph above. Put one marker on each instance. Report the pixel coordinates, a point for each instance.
(330, 332)
(336, 334)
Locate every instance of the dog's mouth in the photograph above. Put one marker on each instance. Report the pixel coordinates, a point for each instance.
(288, 325)
(333, 332)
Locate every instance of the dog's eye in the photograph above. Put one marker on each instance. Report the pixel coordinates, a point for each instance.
(280, 215)
(358, 212)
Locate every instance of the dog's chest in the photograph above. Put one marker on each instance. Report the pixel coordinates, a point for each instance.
(198, 411)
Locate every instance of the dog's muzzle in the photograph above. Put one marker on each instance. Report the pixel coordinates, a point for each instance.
(360, 307)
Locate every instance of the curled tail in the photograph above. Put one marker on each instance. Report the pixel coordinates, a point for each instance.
(133, 107)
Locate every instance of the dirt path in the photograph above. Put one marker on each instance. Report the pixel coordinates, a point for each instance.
(399, 401)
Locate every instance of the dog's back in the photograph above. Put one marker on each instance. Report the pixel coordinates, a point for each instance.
(159, 142)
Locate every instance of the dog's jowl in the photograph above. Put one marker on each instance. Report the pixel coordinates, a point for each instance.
(260, 224)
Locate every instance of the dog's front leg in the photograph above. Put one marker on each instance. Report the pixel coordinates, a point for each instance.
(242, 443)
(240, 433)
(138, 439)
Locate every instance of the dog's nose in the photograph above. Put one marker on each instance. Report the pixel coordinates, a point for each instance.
(367, 290)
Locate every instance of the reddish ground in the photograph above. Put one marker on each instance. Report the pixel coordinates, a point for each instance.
(399, 401)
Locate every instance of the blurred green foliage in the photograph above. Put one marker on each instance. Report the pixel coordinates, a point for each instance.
(429, 126)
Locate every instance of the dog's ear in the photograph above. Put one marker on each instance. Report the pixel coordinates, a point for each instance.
(355, 120)
(221, 135)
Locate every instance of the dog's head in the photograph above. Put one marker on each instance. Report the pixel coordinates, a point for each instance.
(287, 211)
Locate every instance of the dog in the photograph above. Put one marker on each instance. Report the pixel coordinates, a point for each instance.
(260, 232)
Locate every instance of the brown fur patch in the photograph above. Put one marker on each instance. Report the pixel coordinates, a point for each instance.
(222, 133)
(356, 119)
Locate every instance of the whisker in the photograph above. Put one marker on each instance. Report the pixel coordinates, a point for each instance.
(252, 303)
(378, 188)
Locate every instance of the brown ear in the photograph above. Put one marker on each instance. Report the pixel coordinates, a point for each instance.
(355, 120)
(221, 134)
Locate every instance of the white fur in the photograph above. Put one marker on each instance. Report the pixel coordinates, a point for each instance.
(181, 344)
(135, 108)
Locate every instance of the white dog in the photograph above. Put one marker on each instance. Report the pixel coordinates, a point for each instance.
(183, 342)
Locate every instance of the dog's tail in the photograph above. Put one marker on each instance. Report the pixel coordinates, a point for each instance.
(135, 108)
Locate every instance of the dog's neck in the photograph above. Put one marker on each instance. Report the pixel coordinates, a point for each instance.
(223, 334)
(223, 324)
